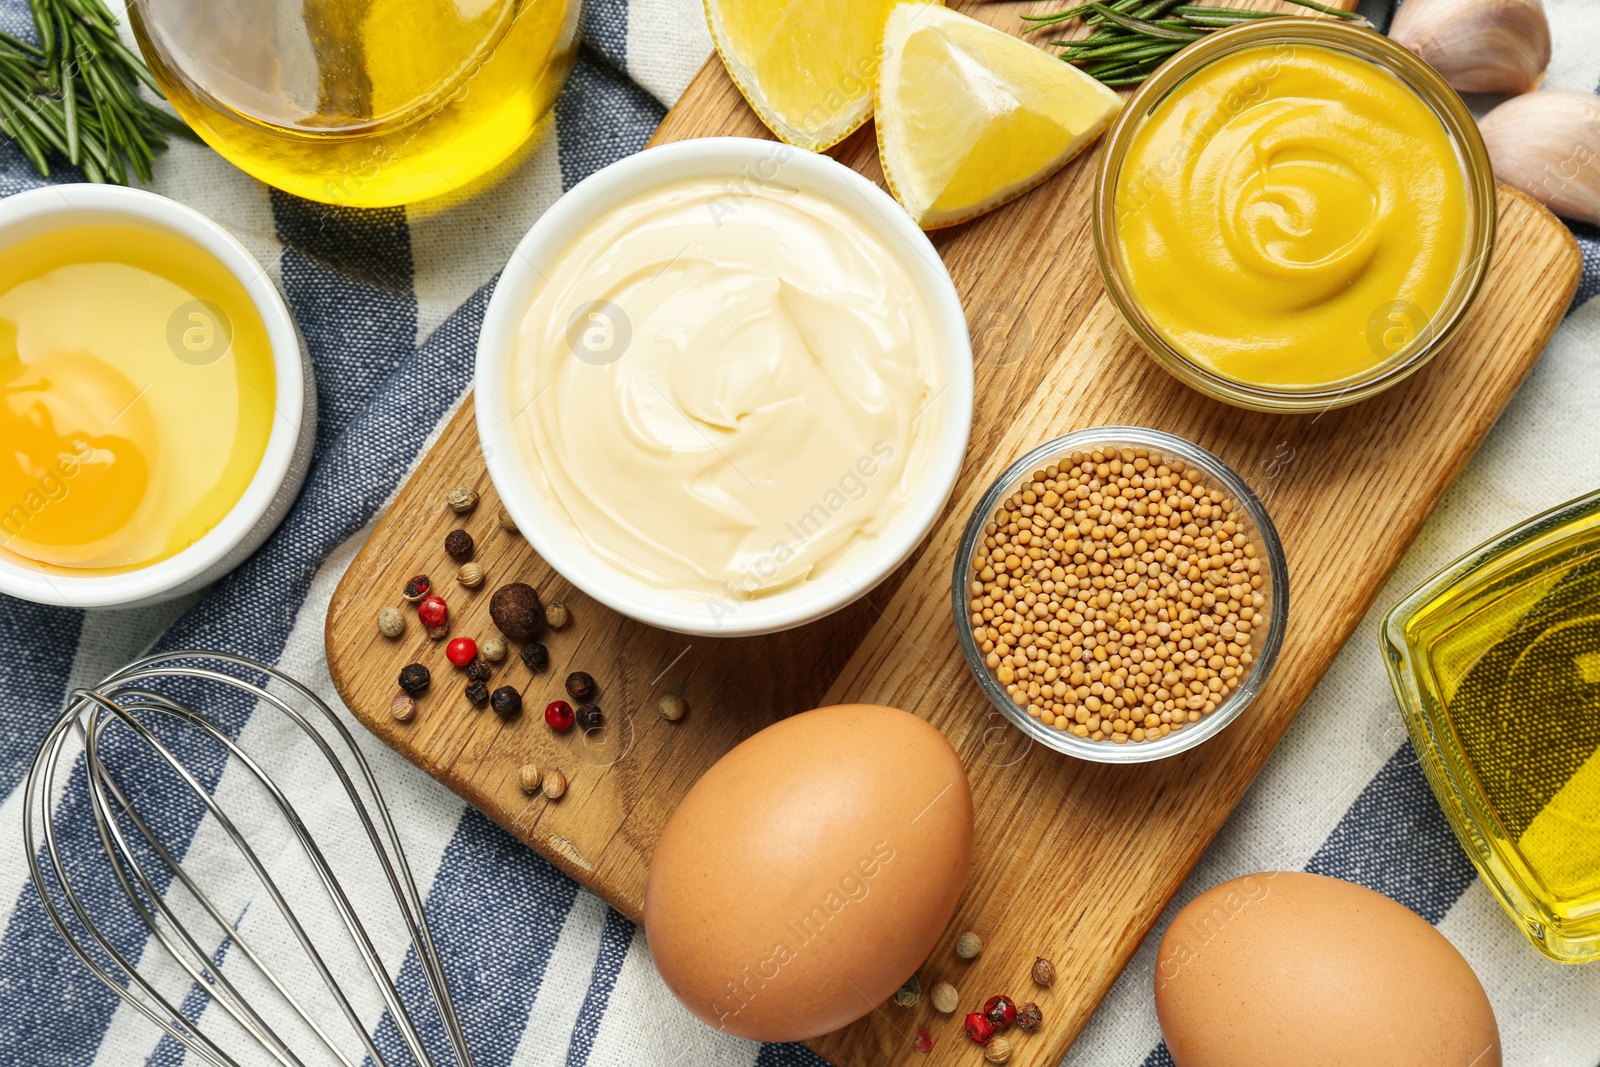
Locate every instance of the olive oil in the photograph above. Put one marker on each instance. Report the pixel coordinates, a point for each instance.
(136, 396)
(363, 103)
(1497, 664)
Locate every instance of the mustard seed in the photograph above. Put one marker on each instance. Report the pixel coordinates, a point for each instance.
(1114, 595)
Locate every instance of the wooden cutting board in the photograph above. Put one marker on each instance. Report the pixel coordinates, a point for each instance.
(1073, 861)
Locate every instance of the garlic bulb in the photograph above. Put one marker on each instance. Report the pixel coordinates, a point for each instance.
(1478, 46)
(1548, 145)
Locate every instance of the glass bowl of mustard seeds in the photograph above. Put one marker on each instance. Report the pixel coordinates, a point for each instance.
(1120, 594)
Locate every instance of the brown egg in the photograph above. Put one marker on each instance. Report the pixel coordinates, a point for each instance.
(1295, 968)
(809, 872)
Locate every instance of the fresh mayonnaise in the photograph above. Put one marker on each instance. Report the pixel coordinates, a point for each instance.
(727, 390)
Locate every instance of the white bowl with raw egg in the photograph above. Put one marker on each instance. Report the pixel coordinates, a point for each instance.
(158, 407)
(724, 386)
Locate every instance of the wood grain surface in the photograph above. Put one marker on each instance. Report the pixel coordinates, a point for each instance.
(1073, 861)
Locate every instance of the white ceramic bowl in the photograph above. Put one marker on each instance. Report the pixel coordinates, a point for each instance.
(726, 159)
(283, 467)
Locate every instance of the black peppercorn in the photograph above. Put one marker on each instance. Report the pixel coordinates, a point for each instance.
(580, 686)
(478, 693)
(506, 701)
(516, 610)
(417, 588)
(459, 544)
(477, 671)
(536, 656)
(414, 678)
(590, 717)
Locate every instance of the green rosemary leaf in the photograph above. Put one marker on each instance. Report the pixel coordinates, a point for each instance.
(1148, 29)
(77, 93)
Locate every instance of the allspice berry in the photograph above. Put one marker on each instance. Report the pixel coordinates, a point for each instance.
(968, 945)
(557, 615)
(945, 998)
(402, 707)
(536, 656)
(555, 784)
(458, 543)
(529, 780)
(506, 701)
(504, 518)
(391, 623)
(997, 1050)
(516, 610)
(470, 575)
(1044, 972)
(461, 499)
(493, 649)
(671, 706)
(414, 678)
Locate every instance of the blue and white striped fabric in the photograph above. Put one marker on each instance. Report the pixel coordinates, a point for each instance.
(390, 303)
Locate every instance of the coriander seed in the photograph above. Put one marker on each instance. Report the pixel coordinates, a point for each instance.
(557, 615)
(402, 707)
(493, 649)
(968, 945)
(461, 499)
(529, 779)
(470, 575)
(391, 623)
(458, 543)
(997, 1051)
(555, 784)
(1044, 972)
(507, 523)
(414, 678)
(945, 998)
(671, 706)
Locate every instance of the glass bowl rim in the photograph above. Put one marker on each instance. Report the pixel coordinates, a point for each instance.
(1410, 70)
(1270, 545)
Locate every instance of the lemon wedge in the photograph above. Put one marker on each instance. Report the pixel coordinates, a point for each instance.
(970, 117)
(808, 67)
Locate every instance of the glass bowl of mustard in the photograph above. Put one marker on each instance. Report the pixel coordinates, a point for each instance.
(1150, 607)
(1294, 214)
(1496, 664)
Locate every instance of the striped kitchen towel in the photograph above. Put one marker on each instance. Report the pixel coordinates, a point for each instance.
(390, 302)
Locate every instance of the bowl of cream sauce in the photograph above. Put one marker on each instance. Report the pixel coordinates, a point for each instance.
(724, 386)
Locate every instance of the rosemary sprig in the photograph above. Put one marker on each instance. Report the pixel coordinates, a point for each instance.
(76, 93)
(1129, 39)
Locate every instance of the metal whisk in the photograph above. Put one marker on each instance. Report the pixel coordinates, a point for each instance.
(128, 754)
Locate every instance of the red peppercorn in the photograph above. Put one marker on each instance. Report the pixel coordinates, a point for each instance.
(979, 1028)
(1002, 1011)
(461, 651)
(923, 1041)
(433, 611)
(558, 713)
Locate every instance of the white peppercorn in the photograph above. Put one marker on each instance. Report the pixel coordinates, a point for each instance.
(391, 623)
(968, 945)
(671, 706)
(493, 649)
(462, 499)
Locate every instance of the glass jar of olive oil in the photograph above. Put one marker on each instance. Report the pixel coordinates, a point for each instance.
(1496, 662)
(364, 103)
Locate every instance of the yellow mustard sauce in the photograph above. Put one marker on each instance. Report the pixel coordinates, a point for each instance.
(1292, 216)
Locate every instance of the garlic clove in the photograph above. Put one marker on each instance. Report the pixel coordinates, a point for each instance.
(1478, 46)
(1548, 145)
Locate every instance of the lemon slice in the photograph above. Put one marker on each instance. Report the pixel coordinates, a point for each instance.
(970, 117)
(808, 67)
